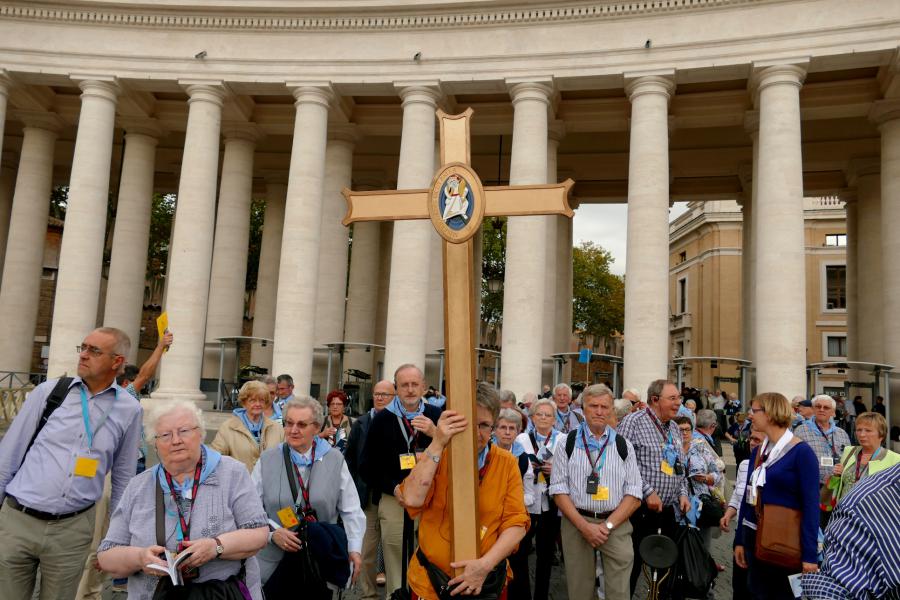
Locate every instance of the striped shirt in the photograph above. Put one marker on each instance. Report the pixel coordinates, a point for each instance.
(862, 543)
(570, 473)
(640, 429)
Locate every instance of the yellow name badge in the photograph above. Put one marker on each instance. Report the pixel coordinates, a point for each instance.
(288, 517)
(666, 468)
(601, 495)
(86, 467)
(407, 461)
(542, 478)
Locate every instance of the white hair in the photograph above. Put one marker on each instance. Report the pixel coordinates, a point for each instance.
(513, 416)
(634, 391)
(318, 414)
(621, 407)
(539, 403)
(825, 398)
(162, 409)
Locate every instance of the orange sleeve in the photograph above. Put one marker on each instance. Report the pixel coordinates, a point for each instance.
(514, 513)
(429, 497)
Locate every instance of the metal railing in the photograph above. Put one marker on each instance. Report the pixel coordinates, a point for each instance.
(11, 400)
(19, 379)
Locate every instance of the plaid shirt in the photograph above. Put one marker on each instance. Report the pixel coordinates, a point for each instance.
(641, 429)
(825, 446)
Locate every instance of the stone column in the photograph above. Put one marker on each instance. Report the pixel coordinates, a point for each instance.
(526, 245)
(779, 244)
(267, 274)
(362, 294)
(407, 313)
(554, 268)
(865, 177)
(190, 258)
(850, 204)
(295, 310)
(334, 248)
(21, 286)
(5, 84)
(888, 116)
(647, 260)
(81, 251)
(131, 236)
(228, 276)
(7, 187)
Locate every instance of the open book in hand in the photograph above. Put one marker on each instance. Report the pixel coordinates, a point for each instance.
(173, 568)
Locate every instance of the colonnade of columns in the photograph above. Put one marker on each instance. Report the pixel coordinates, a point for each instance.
(304, 267)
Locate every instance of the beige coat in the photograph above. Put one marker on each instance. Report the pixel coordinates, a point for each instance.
(234, 440)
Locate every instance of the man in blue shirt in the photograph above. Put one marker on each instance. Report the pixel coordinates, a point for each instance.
(48, 494)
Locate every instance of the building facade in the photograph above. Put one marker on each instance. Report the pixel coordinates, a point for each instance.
(707, 299)
(642, 102)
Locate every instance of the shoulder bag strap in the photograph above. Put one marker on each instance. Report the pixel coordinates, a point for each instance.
(289, 471)
(160, 515)
(57, 396)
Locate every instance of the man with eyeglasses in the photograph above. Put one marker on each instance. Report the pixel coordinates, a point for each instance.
(49, 490)
(825, 438)
(382, 394)
(397, 437)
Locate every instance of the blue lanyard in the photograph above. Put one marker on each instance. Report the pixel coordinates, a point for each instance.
(87, 418)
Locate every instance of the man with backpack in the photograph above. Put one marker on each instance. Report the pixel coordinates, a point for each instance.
(597, 486)
(69, 434)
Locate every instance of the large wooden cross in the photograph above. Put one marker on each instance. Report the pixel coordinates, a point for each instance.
(456, 203)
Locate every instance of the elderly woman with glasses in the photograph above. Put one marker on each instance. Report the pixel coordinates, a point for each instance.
(501, 511)
(868, 458)
(301, 481)
(247, 432)
(539, 445)
(209, 509)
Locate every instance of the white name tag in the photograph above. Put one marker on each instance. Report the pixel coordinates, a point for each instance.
(827, 461)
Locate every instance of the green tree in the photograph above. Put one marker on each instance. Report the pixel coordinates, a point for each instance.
(257, 215)
(493, 267)
(161, 216)
(599, 295)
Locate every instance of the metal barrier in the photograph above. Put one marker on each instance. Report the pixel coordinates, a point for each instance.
(20, 379)
(11, 400)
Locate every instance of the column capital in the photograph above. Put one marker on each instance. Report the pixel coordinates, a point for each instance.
(312, 92)
(343, 132)
(638, 85)
(241, 130)
(103, 87)
(142, 126)
(884, 110)
(790, 72)
(858, 168)
(535, 88)
(419, 92)
(40, 119)
(204, 91)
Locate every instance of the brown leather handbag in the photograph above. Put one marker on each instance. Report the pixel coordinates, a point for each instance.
(778, 533)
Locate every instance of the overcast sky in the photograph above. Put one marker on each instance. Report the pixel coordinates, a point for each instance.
(605, 225)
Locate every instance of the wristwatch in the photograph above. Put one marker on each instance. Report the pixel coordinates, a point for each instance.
(219, 547)
(436, 459)
(610, 526)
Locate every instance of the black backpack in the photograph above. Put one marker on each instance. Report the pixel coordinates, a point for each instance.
(621, 446)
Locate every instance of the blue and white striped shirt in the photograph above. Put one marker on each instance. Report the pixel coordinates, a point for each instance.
(862, 543)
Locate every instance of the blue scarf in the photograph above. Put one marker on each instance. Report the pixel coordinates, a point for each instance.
(482, 456)
(540, 440)
(594, 445)
(322, 448)
(255, 429)
(699, 435)
(276, 411)
(396, 407)
(209, 460)
(815, 426)
(516, 449)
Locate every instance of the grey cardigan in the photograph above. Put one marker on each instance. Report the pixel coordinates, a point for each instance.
(226, 501)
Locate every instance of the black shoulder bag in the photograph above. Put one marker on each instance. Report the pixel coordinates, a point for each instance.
(490, 589)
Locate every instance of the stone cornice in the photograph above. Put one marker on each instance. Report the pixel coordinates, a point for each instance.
(388, 16)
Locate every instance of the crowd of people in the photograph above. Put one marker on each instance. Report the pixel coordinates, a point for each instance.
(295, 498)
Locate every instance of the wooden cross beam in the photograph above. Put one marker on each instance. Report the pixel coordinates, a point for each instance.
(456, 203)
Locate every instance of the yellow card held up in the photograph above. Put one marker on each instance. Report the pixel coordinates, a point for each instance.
(162, 324)
(288, 517)
(86, 467)
(601, 495)
(407, 461)
(666, 468)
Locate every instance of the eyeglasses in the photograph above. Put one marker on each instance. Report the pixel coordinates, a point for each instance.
(93, 351)
(166, 438)
(383, 395)
(486, 427)
(753, 411)
(685, 429)
(543, 415)
(288, 425)
(822, 406)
